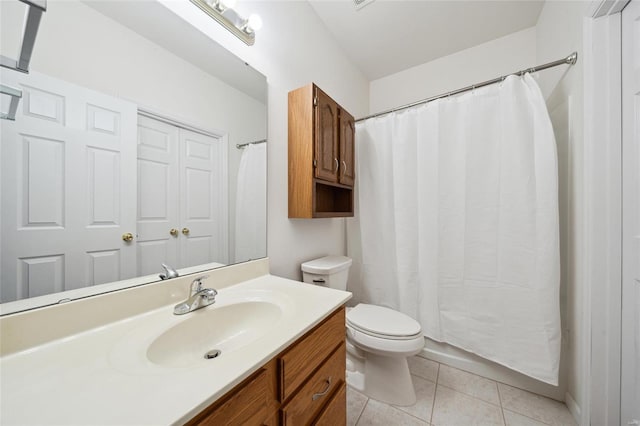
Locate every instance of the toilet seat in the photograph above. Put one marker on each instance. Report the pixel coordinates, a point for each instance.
(382, 323)
(383, 345)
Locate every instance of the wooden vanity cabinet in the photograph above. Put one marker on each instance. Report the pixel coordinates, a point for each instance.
(304, 384)
(321, 155)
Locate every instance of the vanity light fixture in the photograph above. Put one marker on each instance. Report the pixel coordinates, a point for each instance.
(222, 11)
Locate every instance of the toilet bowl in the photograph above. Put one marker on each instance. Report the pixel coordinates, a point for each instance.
(379, 339)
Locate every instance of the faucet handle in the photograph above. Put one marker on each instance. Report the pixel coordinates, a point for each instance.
(196, 285)
(169, 272)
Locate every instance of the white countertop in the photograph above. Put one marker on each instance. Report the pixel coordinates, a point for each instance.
(102, 376)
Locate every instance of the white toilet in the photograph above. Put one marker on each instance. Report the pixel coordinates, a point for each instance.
(379, 339)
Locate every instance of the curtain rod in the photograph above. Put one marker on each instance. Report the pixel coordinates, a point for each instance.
(569, 60)
(242, 145)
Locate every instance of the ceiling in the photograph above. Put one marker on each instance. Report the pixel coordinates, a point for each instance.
(388, 36)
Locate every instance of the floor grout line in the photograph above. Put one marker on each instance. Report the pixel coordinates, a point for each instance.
(435, 393)
(504, 419)
(499, 405)
(364, 407)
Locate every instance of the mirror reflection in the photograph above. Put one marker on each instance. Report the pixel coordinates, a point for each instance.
(131, 148)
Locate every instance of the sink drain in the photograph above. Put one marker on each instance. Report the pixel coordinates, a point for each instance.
(214, 353)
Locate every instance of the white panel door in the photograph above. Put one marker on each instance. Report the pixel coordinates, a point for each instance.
(158, 158)
(630, 368)
(203, 199)
(68, 188)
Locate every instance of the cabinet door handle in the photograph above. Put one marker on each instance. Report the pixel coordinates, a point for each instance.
(324, 392)
(337, 164)
(344, 167)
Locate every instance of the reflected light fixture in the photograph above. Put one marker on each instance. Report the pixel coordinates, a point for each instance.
(223, 12)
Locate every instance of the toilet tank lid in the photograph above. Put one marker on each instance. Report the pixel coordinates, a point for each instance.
(327, 265)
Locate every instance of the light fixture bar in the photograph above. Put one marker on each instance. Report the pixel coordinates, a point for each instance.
(15, 94)
(229, 19)
(35, 9)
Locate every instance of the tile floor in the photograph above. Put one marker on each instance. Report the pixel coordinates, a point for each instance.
(452, 397)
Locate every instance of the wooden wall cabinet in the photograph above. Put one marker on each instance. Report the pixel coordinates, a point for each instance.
(321, 155)
(304, 384)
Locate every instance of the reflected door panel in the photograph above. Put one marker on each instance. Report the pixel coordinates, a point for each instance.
(68, 187)
(202, 187)
(157, 195)
(181, 186)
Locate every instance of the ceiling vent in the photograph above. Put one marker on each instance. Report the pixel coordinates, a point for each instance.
(362, 3)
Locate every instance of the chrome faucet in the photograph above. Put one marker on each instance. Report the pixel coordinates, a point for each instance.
(198, 297)
(169, 272)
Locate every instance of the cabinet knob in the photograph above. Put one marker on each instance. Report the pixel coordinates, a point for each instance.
(173, 232)
(185, 231)
(128, 237)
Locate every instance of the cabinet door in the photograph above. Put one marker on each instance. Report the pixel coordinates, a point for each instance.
(326, 138)
(347, 158)
(335, 413)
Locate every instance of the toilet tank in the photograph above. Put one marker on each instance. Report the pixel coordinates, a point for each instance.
(328, 271)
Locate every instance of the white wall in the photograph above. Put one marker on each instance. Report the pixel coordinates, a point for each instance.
(292, 49)
(559, 32)
(77, 44)
(479, 63)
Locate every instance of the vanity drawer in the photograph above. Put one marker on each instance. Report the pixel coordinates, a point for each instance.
(335, 413)
(309, 352)
(317, 391)
(246, 404)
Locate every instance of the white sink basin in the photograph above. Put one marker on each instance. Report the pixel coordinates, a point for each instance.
(222, 328)
(164, 343)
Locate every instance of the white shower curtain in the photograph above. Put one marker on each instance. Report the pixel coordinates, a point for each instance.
(251, 204)
(457, 220)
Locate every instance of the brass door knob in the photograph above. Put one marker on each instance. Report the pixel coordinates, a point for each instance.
(185, 231)
(128, 237)
(174, 232)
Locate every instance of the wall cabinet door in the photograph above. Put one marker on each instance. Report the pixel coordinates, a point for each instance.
(347, 158)
(326, 137)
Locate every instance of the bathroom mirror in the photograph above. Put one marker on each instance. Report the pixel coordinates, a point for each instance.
(124, 153)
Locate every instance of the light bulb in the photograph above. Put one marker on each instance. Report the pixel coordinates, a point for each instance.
(254, 22)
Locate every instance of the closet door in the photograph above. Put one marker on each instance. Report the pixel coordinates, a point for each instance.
(158, 158)
(203, 199)
(68, 188)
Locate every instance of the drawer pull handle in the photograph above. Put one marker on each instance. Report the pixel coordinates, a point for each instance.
(321, 280)
(324, 392)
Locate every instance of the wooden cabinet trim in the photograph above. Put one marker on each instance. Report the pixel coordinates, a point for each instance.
(315, 117)
(335, 412)
(243, 405)
(300, 361)
(317, 391)
(259, 399)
